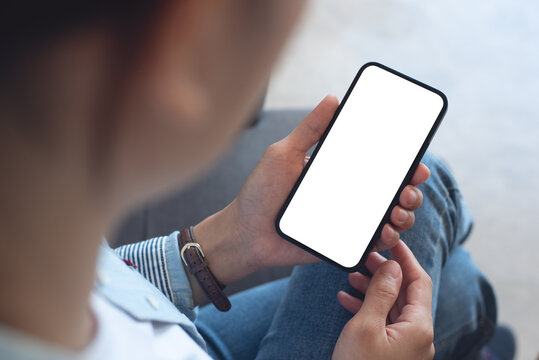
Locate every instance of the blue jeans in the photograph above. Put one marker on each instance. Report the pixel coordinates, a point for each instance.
(299, 317)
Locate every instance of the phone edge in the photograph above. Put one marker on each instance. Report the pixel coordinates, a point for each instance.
(406, 180)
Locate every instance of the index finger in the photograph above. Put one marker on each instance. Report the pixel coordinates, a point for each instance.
(418, 282)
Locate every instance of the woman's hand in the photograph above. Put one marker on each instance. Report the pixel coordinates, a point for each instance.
(268, 186)
(394, 321)
(242, 236)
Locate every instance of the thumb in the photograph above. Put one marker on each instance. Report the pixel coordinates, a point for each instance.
(310, 129)
(382, 293)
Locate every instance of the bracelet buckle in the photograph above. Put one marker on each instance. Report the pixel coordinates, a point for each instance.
(187, 246)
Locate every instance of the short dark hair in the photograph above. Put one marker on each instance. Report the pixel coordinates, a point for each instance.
(27, 24)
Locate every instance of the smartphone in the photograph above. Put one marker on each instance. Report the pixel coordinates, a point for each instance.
(364, 159)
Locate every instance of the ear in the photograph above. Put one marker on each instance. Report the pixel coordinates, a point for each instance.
(223, 48)
(202, 70)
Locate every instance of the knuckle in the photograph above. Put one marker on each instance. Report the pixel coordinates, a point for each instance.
(392, 243)
(315, 129)
(395, 239)
(411, 220)
(367, 329)
(410, 197)
(391, 237)
(355, 327)
(432, 351)
(385, 290)
(395, 214)
(403, 198)
(419, 197)
(385, 236)
(429, 335)
(425, 335)
(425, 279)
(428, 282)
(274, 148)
(278, 150)
(393, 233)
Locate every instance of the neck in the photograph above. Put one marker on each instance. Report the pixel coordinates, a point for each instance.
(49, 242)
(46, 276)
(53, 213)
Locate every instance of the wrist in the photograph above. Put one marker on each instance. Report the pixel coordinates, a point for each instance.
(225, 250)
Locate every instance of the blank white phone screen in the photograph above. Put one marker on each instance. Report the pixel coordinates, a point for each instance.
(360, 166)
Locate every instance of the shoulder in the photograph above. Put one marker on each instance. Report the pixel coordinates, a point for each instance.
(127, 290)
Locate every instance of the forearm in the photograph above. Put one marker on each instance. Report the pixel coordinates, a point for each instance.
(159, 261)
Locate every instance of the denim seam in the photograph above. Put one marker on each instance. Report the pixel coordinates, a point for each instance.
(456, 191)
(441, 226)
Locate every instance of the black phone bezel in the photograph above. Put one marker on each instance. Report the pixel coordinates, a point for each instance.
(405, 181)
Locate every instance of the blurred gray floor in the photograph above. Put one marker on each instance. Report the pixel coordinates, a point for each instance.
(485, 57)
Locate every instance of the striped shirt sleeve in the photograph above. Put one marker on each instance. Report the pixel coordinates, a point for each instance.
(158, 260)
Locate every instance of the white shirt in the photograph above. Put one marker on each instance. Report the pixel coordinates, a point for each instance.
(118, 336)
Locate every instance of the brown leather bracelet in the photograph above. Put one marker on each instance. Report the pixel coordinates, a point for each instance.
(195, 261)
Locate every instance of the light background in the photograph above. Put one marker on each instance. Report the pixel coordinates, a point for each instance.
(484, 55)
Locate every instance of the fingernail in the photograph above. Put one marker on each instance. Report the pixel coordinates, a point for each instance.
(413, 195)
(403, 215)
(391, 268)
(389, 232)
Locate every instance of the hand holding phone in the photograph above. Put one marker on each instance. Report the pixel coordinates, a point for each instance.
(337, 209)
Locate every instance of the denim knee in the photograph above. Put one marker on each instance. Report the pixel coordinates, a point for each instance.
(442, 191)
(466, 315)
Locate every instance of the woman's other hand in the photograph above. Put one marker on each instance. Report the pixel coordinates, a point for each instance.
(394, 321)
